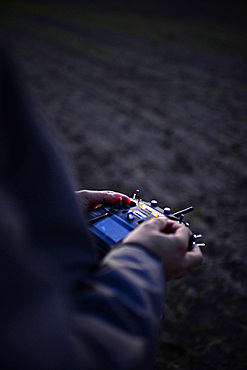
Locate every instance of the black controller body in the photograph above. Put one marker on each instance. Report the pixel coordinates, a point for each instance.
(110, 223)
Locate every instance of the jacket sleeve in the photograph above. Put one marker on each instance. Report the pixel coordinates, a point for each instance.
(117, 319)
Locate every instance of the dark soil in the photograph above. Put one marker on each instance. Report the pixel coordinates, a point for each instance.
(155, 102)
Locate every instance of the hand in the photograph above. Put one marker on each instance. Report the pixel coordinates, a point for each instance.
(169, 241)
(90, 199)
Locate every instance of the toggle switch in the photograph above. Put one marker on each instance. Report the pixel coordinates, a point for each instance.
(167, 211)
(154, 203)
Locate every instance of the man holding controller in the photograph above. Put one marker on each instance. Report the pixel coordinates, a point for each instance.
(62, 307)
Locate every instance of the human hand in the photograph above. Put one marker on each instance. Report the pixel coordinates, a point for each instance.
(169, 241)
(90, 199)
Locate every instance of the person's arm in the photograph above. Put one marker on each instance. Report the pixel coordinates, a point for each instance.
(121, 310)
(118, 318)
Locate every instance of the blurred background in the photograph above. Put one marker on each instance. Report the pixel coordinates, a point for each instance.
(153, 95)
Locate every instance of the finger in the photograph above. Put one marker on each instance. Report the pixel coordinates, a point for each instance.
(104, 197)
(108, 196)
(184, 233)
(193, 258)
(173, 226)
(125, 198)
(180, 230)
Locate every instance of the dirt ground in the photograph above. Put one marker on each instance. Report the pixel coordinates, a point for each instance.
(157, 103)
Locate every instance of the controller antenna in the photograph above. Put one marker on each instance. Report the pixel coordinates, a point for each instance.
(183, 212)
(136, 195)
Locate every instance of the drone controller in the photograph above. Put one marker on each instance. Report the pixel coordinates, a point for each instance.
(110, 223)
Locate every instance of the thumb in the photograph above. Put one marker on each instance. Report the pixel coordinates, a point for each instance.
(158, 223)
